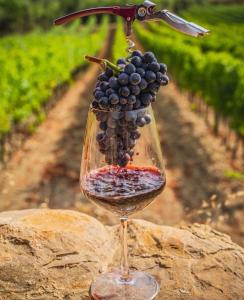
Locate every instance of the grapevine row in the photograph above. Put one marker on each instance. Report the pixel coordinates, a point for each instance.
(217, 77)
(34, 64)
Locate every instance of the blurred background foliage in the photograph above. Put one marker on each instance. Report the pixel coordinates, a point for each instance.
(25, 15)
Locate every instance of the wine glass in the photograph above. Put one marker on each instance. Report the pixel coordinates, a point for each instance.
(122, 170)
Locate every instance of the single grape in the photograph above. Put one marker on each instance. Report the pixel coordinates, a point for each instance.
(154, 87)
(130, 116)
(165, 80)
(109, 91)
(137, 53)
(104, 86)
(103, 103)
(141, 122)
(135, 90)
(100, 137)
(137, 105)
(114, 99)
(113, 83)
(146, 99)
(135, 135)
(141, 72)
(163, 68)
(121, 61)
(150, 76)
(143, 84)
(135, 79)
(124, 91)
(95, 104)
(129, 69)
(149, 57)
(154, 66)
(148, 119)
(136, 61)
(122, 101)
(131, 99)
(103, 77)
(98, 93)
(123, 79)
(109, 72)
(103, 126)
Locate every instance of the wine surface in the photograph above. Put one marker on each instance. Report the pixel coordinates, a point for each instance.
(124, 190)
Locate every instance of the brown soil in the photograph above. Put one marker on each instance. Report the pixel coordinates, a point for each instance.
(45, 171)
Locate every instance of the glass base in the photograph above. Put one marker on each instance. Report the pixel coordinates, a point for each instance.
(111, 286)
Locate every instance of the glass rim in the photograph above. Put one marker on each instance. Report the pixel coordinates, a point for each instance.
(116, 111)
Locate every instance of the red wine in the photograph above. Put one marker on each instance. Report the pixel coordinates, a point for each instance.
(124, 190)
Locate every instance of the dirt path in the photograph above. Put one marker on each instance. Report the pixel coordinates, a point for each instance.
(46, 170)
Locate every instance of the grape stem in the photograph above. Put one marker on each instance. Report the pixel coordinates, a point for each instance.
(104, 63)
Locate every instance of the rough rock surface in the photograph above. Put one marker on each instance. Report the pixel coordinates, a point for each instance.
(54, 254)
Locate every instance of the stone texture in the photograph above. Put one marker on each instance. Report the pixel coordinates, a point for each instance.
(55, 254)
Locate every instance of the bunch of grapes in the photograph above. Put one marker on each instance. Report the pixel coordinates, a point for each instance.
(122, 95)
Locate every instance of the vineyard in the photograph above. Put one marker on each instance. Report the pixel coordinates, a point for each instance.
(204, 181)
(34, 65)
(212, 68)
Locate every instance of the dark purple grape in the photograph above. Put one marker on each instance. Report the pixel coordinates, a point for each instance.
(103, 77)
(137, 53)
(150, 76)
(130, 116)
(113, 83)
(163, 68)
(154, 66)
(146, 98)
(135, 135)
(124, 91)
(136, 61)
(141, 72)
(149, 57)
(123, 79)
(141, 122)
(98, 93)
(123, 101)
(137, 105)
(100, 137)
(159, 77)
(129, 69)
(103, 103)
(114, 99)
(148, 119)
(109, 92)
(95, 104)
(135, 90)
(154, 87)
(121, 61)
(103, 126)
(143, 84)
(131, 99)
(104, 86)
(165, 80)
(135, 79)
(109, 72)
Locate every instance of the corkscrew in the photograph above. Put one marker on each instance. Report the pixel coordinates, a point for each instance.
(144, 12)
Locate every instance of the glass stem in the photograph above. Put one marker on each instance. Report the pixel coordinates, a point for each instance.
(124, 245)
